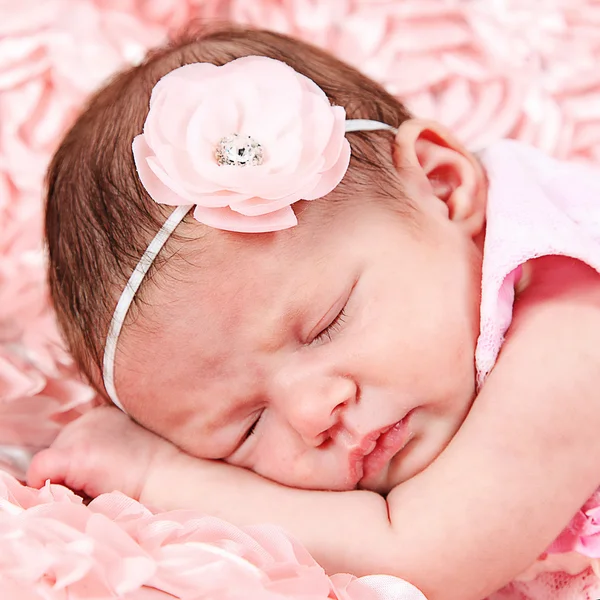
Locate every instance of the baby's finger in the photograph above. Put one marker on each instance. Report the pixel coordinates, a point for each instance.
(49, 464)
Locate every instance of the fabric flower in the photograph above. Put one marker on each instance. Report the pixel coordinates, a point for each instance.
(196, 109)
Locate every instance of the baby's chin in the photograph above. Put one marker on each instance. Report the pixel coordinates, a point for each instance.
(384, 482)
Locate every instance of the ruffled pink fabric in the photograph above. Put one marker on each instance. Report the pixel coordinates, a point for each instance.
(537, 206)
(526, 69)
(583, 533)
(53, 546)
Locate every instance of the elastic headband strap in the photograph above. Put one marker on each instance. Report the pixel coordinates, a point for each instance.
(148, 258)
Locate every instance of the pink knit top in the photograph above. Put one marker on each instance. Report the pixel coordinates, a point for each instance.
(537, 206)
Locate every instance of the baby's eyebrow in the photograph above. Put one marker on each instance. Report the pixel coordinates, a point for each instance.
(216, 447)
(200, 425)
(289, 325)
(232, 416)
(237, 443)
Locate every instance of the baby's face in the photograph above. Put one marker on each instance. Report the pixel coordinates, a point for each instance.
(329, 357)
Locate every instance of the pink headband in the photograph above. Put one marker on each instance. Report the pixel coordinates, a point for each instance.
(240, 144)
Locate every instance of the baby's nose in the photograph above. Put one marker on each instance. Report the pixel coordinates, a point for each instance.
(314, 405)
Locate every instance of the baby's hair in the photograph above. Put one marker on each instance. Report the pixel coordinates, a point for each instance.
(99, 219)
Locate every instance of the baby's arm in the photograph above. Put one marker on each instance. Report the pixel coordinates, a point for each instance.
(524, 461)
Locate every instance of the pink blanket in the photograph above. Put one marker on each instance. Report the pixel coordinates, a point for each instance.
(487, 68)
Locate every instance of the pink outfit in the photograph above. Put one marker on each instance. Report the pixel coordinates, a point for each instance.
(537, 206)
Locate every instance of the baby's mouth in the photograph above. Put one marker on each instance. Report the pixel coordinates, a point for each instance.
(376, 449)
(388, 445)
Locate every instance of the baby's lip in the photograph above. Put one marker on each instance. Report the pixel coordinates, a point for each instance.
(375, 449)
(364, 447)
(389, 443)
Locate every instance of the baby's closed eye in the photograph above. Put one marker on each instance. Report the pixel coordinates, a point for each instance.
(335, 326)
(334, 320)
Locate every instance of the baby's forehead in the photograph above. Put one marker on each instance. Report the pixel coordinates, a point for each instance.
(209, 303)
(237, 269)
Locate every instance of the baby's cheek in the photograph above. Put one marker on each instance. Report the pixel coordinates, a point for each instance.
(275, 461)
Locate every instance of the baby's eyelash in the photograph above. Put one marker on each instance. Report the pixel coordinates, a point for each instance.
(333, 326)
(252, 427)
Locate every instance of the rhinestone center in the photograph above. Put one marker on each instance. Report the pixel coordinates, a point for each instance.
(239, 151)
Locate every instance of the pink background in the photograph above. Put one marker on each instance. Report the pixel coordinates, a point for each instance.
(487, 68)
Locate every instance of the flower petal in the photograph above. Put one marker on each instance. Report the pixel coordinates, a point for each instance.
(229, 220)
(331, 178)
(157, 190)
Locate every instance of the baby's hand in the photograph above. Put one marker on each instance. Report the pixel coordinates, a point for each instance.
(102, 451)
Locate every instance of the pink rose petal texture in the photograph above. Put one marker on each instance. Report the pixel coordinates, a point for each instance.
(52, 546)
(195, 106)
(52, 55)
(526, 69)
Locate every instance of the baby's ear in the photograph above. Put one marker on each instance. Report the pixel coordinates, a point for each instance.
(431, 160)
